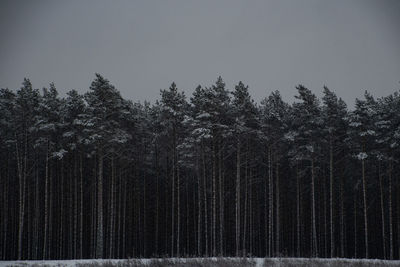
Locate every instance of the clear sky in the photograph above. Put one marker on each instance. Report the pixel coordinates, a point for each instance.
(142, 46)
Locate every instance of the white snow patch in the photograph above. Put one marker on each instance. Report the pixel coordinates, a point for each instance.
(362, 155)
(258, 261)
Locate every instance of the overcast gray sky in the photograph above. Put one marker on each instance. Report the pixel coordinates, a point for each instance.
(142, 46)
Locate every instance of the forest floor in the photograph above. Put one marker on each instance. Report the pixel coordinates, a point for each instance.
(208, 262)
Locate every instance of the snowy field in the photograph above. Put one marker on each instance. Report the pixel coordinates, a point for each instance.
(200, 262)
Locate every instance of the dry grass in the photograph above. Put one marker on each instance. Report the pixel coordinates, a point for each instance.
(309, 262)
(208, 262)
(212, 262)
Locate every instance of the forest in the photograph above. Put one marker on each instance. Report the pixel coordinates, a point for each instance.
(95, 175)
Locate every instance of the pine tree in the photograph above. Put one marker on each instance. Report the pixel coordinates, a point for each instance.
(307, 123)
(363, 131)
(334, 115)
(96, 175)
(103, 131)
(245, 125)
(26, 109)
(274, 124)
(173, 110)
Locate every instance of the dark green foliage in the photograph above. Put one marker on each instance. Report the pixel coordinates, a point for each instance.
(95, 175)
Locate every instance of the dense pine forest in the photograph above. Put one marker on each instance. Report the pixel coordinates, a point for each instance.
(99, 176)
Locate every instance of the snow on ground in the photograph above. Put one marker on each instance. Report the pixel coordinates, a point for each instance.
(259, 262)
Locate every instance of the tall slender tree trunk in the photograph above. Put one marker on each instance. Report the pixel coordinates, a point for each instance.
(81, 208)
(325, 236)
(157, 201)
(271, 205)
(119, 216)
(21, 164)
(355, 225)
(205, 201)
(173, 196)
(46, 202)
(221, 205)
(51, 207)
(342, 221)
(214, 202)
(100, 230)
(178, 233)
(76, 208)
(61, 234)
(382, 212)
(93, 197)
(314, 223)
(142, 230)
(365, 208)
(124, 202)
(332, 224)
(390, 212)
(398, 217)
(251, 226)
(70, 212)
(266, 214)
(188, 233)
(199, 197)
(277, 239)
(237, 200)
(245, 210)
(299, 243)
(36, 220)
(112, 211)
(5, 217)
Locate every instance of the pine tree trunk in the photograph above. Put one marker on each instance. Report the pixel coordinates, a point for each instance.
(21, 179)
(277, 239)
(205, 202)
(365, 208)
(70, 199)
(245, 207)
(271, 205)
(221, 205)
(76, 209)
(93, 228)
(382, 212)
(355, 225)
(173, 197)
(157, 202)
(332, 228)
(342, 221)
(46, 201)
(99, 232)
(214, 203)
(119, 216)
(299, 243)
(51, 204)
(266, 215)
(5, 217)
(178, 235)
(325, 236)
(237, 200)
(37, 216)
(390, 212)
(199, 197)
(124, 201)
(60, 245)
(81, 208)
(188, 233)
(314, 224)
(144, 231)
(112, 211)
(398, 217)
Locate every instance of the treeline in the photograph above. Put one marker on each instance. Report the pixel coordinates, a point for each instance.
(98, 176)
